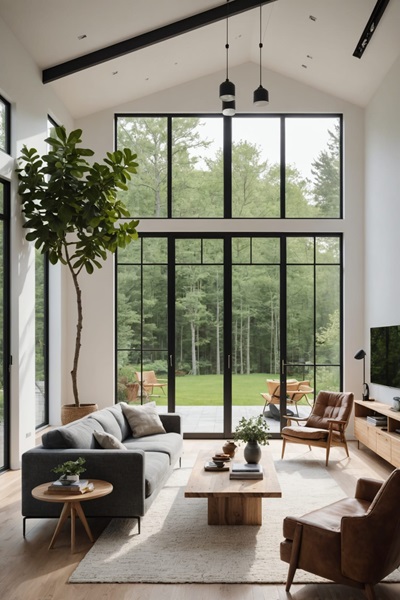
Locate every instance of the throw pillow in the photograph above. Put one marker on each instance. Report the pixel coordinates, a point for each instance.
(108, 441)
(143, 420)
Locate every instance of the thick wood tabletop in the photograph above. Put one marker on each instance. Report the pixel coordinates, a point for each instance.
(208, 484)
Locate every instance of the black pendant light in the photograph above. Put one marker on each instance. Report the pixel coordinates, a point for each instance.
(260, 96)
(229, 108)
(227, 88)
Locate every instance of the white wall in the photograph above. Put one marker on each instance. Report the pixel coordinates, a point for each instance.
(201, 95)
(20, 84)
(382, 290)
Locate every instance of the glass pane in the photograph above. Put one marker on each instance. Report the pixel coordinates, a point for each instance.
(3, 121)
(300, 250)
(154, 299)
(255, 334)
(313, 167)
(188, 251)
(128, 389)
(255, 167)
(2, 399)
(131, 253)
(213, 251)
(129, 307)
(154, 250)
(328, 314)
(328, 378)
(146, 137)
(241, 250)
(1, 198)
(197, 167)
(265, 250)
(199, 346)
(300, 314)
(40, 382)
(328, 250)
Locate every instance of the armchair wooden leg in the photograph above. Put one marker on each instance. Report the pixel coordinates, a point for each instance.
(283, 447)
(294, 557)
(369, 591)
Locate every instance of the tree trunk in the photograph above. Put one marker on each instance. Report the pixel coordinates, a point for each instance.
(248, 346)
(194, 361)
(79, 325)
(218, 358)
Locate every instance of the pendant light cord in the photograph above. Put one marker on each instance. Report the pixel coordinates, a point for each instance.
(227, 38)
(260, 45)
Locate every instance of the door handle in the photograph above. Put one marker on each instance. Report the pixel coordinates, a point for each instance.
(170, 360)
(229, 361)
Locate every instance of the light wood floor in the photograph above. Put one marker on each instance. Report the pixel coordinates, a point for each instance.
(29, 571)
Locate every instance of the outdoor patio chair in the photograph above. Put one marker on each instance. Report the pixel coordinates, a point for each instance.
(149, 382)
(273, 396)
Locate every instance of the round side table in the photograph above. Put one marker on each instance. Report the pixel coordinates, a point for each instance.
(72, 506)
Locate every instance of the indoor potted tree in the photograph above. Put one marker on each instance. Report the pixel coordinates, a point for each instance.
(73, 214)
(253, 431)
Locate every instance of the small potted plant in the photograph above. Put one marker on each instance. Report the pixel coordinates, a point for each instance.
(71, 469)
(254, 431)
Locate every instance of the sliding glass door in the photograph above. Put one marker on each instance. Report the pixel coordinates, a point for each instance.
(213, 317)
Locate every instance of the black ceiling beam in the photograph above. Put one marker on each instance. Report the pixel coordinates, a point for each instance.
(370, 27)
(150, 38)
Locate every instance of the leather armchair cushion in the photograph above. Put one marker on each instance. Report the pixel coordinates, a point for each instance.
(329, 517)
(305, 433)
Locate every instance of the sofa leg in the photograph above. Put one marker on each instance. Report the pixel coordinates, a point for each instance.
(23, 526)
(138, 525)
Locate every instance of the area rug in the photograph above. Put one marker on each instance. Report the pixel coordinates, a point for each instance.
(176, 545)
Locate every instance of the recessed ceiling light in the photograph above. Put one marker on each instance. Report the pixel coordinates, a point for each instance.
(115, 72)
(312, 18)
(309, 56)
(304, 66)
(82, 36)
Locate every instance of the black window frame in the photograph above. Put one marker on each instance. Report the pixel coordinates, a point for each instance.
(7, 125)
(7, 358)
(227, 157)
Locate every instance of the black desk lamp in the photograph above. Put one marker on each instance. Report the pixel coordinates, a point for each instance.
(361, 354)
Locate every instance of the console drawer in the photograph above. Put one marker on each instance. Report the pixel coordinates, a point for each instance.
(383, 445)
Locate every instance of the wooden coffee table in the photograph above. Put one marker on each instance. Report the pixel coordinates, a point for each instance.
(233, 502)
(72, 506)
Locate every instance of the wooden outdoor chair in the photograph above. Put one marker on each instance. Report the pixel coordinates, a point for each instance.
(149, 382)
(325, 426)
(273, 396)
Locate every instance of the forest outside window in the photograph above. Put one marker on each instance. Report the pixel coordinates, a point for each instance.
(269, 166)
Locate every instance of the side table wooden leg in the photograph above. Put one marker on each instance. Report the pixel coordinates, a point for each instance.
(73, 514)
(81, 515)
(63, 517)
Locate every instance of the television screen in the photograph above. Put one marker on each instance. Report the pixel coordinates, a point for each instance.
(385, 355)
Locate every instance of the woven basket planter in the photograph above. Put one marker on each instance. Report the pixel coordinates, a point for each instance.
(70, 412)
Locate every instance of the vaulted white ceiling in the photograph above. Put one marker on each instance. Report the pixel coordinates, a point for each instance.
(316, 51)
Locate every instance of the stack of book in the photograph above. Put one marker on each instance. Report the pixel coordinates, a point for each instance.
(377, 420)
(246, 471)
(74, 487)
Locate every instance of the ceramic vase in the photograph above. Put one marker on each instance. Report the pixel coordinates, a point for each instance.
(229, 448)
(252, 452)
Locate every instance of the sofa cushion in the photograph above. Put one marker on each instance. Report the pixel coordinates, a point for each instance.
(78, 434)
(143, 420)
(167, 443)
(108, 441)
(106, 418)
(156, 466)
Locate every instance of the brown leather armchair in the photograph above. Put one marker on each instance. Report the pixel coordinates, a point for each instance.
(325, 426)
(355, 541)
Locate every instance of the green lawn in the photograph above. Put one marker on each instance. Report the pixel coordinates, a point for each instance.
(206, 390)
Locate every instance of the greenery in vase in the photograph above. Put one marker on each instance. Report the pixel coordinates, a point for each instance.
(254, 429)
(71, 467)
(72, 210)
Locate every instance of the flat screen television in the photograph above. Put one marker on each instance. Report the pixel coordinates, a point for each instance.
(385, 355)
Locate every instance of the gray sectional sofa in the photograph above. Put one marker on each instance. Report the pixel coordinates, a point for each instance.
(137, 472)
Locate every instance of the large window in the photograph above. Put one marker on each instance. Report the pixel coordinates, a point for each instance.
(4, 323)
(270, 166)
(4, 125)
